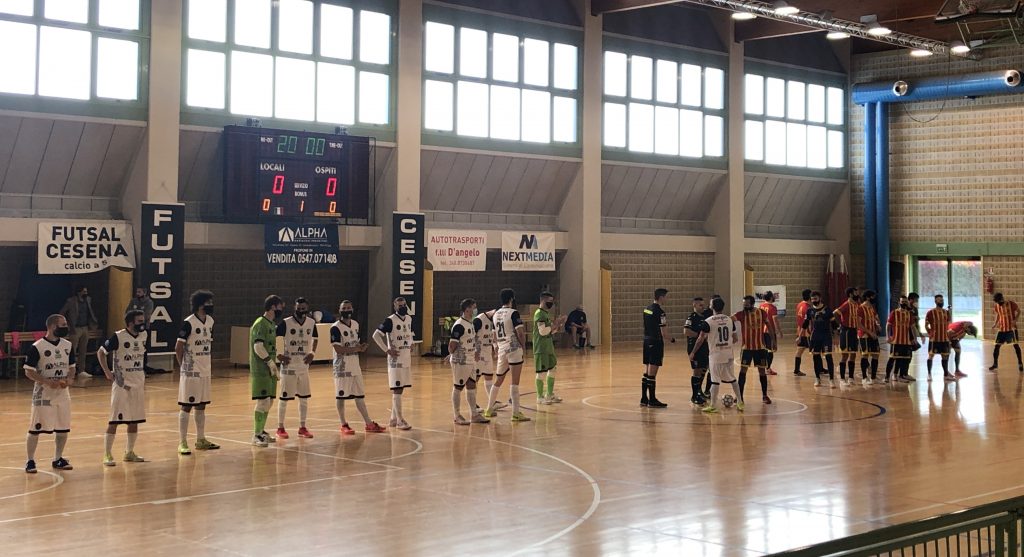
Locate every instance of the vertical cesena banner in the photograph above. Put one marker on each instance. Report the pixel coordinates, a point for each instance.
(161, 269)
(409, 255)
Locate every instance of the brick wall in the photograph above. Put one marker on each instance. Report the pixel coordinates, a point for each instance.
(635, 275)
(955, 165)
(240, 281)
(796, 272)
(450, 288)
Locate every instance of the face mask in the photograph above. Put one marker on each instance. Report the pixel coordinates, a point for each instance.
(62, 332)
(140, 328)
(905, 305)
(549, 305)
(208, 309)
(301, 314)
(403, 310)
(346, 315)
(277, 314)
(140, 296)
(940, 305)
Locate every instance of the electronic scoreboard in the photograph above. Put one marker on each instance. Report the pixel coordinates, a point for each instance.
(282, 174)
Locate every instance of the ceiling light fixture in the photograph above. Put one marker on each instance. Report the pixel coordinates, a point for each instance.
(958, 47)
(782, 8)
(743, 16)
(837, 35)
(875, 28)
(921, 53)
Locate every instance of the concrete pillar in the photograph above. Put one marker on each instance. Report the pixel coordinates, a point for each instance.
(727, 214)
(402, 193)
(580, 216)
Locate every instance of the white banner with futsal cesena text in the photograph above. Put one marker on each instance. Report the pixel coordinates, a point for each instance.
(67, 248)
(457, 250)
(527, 251)
(779, 290)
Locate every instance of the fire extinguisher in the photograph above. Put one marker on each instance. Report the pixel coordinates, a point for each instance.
(990, 282)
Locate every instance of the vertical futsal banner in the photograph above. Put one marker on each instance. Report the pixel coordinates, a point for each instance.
(409, 255)
(527, 251)
(161, 269)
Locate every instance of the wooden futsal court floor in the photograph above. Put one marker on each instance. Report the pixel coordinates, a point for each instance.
(595, 475)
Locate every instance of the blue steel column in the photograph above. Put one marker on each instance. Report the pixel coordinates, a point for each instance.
(870, 215)
(882, 205)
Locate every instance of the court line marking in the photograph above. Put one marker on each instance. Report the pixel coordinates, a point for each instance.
(187, 498)
(586, 402)
(595, 501)
(60, 480)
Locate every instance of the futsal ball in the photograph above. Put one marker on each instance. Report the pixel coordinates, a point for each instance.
(728, 401)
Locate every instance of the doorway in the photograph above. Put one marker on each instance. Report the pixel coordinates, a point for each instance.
(958, 279)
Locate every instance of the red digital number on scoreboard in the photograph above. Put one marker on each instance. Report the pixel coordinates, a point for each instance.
(332, 187)
(278, 184)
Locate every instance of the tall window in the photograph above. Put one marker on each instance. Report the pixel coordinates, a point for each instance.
(663, 106)
(71, 49)
(794, 123)
(290, 59)
(515, 87)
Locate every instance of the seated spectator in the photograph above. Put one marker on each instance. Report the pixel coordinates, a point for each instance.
(580, 329)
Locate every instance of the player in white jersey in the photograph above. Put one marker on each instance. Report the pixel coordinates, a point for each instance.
(721, 337)
(511, 336)
(127, 349)
(195, 340)
(487, 353)
(50, 363)
(395, 337)
(348, 375)
(298, 334)
(464, 354)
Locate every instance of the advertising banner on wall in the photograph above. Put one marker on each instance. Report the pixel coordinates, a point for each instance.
(161, 269)
(780, 296)
(71, 248)
(301, 246)
(409, 258)
(527, 251)
(457, 250)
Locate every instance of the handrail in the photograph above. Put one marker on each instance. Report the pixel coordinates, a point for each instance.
(1011, 508)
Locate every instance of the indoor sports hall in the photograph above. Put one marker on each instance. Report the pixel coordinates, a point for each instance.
(511, 277)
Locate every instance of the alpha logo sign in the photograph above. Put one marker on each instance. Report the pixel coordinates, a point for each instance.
(527, 251)
(301, 246)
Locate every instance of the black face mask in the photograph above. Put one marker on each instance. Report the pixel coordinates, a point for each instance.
(208, 310)
(141, 296)
(403, 310)
(301, 314)
(277, 314)
(940, 305)
(62, 332)
(140, 328)
(346, 314)
(549, 305)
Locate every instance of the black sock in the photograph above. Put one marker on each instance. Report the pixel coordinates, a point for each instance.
(889, 366)
(764, 385)
(874, 368)
(945, 366)
(796, 364)
(771, 358)
(707, 384)
(928, 365)
(817, 366)
(956, 360)
(695, 382)
(742, 381)
(830, 364)
(905, 367)
(1016, 348)
(864, 368)
(644, 385)
(652, 387)
(995, 356)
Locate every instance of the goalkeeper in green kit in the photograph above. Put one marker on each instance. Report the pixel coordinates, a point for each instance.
(263, 373)
(544, 359)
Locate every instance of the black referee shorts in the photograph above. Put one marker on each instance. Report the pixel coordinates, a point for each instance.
(654, 352)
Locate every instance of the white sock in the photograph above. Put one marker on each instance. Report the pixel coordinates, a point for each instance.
(515, 399)
(183, 426)
(361, 406)
(714, 395)
(282, 410)
(200, 423)
(130, 445)
(471, 398)
(60, 440)
(303, 411)
(736, 391)
(396, 406)
(31, 442)
(340, 403)
(487, 383)
(492, 397)
(456, 400)
(108, 443)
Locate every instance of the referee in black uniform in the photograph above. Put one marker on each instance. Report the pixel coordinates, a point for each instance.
(695, 325)
(654, 349)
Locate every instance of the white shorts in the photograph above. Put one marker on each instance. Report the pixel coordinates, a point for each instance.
(294, 383)
(349, 385)
(462, 374)
(193, 390)
(486, 364)
(400, 370)
(507, 359)
(722, 373)
(127, 406)
(51, 412)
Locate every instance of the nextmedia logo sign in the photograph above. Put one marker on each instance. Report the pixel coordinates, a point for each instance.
(287, 234)
(528, 241)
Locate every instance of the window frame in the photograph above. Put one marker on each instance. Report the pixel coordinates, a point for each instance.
(219, 117)
(101, 107)
(679, 55)
(808, 77)
(523, 29)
